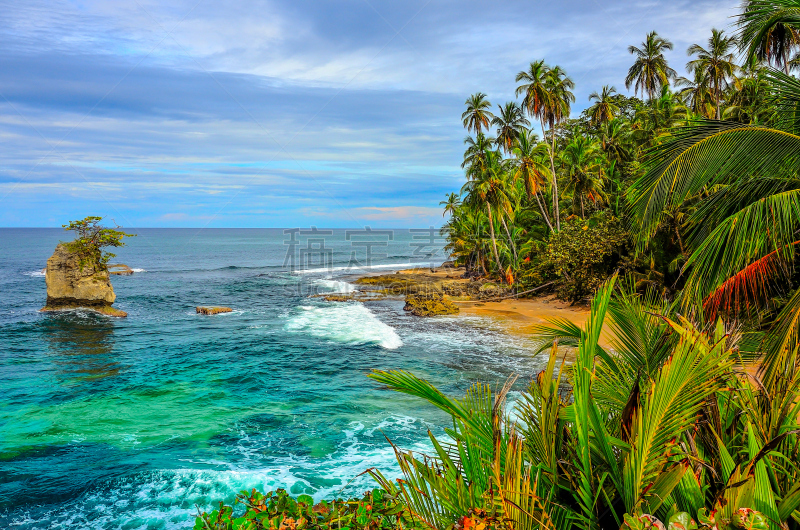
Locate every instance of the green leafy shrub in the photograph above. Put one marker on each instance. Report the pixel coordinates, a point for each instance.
(277, 510)
(92, 239)
(582, 256)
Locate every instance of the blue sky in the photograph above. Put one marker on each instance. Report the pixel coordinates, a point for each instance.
(276, 113)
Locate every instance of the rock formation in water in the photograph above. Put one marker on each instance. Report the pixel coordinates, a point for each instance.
(72, 285)
(429, 305)
(212, 310)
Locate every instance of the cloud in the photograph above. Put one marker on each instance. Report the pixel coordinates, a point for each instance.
(262, 112)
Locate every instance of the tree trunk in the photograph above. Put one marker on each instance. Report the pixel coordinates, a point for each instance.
(583, 215)
(680, 241)
(716, 93)
(542, 210)
(555, 185)
(508, 233)
(555, 179)
(494, 243)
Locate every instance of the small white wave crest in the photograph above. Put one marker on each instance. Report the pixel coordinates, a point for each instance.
(351, 323)
(138, 270)
(335, 286)
(358, 267)
(35, 274)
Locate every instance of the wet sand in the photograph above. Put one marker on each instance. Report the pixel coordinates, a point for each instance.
(520, 315)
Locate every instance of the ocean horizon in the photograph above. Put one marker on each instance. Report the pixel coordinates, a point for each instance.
(137, 422)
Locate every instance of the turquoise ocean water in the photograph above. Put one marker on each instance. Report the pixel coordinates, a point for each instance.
(132, 423)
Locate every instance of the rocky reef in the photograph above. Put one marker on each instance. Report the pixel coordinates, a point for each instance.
(72, 284)
(422, 305)
(212, 310)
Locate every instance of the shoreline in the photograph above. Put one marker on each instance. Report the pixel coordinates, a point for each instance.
(517, 316)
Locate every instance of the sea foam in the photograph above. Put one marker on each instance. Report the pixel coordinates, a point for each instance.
(351, 323)
(335, 286)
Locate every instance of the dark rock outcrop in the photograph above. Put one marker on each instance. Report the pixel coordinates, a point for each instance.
(72, 285)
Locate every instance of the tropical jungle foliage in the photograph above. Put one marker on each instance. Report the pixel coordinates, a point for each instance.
(277, 510)
(678, 215)
(662, 424)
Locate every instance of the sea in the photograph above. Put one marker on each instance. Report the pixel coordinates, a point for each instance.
(139, 422)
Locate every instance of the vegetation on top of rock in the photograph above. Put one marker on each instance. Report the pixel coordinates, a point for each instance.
(92, 239)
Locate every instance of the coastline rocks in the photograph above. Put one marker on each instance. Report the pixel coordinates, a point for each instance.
(212, 310)
(70, 286)
(120, 269)
(429, 305)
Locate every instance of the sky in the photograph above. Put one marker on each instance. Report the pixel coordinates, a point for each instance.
(282, 113)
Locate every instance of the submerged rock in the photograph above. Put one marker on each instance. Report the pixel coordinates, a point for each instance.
(429, 305)
(212, 310)
(72, 285)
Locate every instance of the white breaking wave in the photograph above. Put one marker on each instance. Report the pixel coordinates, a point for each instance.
(348, 323)
(138, 270)
(36, 274)
(357, 267)
(335, 286)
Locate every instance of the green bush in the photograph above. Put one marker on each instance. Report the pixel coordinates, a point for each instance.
(277, 510)
(581, 256)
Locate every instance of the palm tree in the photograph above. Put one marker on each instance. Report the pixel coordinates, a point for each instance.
(604, 108)
(650, 71)
(487, 185)
(615, 140)
(477, 116)
(451, 204)
(696, 94)
(509, 124)
(584, 172)
(747, 221)
(768, 30)
(531, 168)
(716, 63)
(477, 147)
(560, 98)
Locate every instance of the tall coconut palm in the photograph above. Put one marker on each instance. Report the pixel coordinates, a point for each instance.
(560, 98)
(650, 71)
(535, 87)
(604, 108)
(769, 30)
(746, 224)
(509, 123)
(477, 147)
(477, 116)
(716, 63)
(487, 186)
(531, 168)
